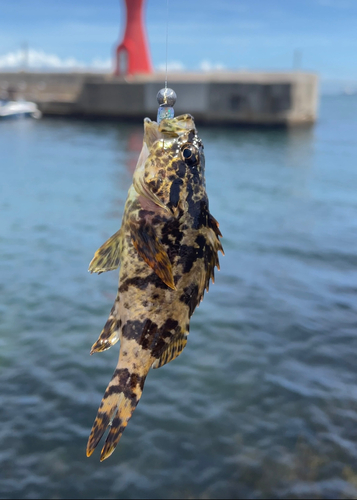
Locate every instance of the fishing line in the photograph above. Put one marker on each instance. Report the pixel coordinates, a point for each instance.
(166, 97)
(167, 46)
(167, 37)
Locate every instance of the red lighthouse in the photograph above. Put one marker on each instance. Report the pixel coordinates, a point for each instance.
(132, 55)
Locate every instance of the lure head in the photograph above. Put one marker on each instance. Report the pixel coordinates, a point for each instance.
(172, 159)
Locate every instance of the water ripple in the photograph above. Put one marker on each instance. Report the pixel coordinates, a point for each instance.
(263, 401)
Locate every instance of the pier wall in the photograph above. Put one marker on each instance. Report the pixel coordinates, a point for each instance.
(44, 87)
(229, 98)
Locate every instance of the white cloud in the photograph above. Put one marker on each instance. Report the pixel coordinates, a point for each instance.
(177, 66)
(330, 85)
(102, 64)
(38, 59)
(171, 66)
(207, 65)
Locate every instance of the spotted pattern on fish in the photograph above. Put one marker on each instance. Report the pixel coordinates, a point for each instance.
(167, 248)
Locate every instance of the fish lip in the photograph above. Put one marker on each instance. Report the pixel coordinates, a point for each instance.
(178, 125)
(151, 132)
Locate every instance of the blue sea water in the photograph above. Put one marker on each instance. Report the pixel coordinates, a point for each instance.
(263, 401)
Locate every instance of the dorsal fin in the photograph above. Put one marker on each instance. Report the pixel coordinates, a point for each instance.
(213, 224)
(173, 350)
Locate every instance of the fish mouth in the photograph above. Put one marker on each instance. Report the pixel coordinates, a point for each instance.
(177, 126)
(151, 132)
(171, 127)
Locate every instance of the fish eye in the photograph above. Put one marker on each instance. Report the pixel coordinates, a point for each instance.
(189, 154)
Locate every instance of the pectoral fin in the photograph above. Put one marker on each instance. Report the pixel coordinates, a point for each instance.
(152, 251)
(107, 257)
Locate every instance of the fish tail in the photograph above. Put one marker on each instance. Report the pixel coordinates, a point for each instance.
(119, 401)
(111, 331)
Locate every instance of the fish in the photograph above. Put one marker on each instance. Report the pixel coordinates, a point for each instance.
(167, 249)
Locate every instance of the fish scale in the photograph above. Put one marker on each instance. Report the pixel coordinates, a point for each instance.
(167, 249)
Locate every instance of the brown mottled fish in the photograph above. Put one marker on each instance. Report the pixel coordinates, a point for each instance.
(167, 249)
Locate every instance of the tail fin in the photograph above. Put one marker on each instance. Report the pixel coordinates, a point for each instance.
(119, 401)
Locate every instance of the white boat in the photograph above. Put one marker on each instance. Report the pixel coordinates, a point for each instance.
(10, 109)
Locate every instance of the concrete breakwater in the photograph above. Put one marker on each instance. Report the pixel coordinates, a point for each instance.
(236, 98)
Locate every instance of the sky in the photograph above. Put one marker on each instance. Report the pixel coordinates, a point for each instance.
(203, 34)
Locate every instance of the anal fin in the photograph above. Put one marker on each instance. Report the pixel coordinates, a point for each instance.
(110, 333)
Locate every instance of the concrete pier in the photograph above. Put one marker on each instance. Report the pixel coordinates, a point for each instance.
(235, 98)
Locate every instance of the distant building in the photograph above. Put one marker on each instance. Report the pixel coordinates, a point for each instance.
(132, 54)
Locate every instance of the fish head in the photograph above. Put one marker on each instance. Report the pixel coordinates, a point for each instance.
(172, 158)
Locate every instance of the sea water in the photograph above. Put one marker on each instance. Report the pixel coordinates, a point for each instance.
(263, 400)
